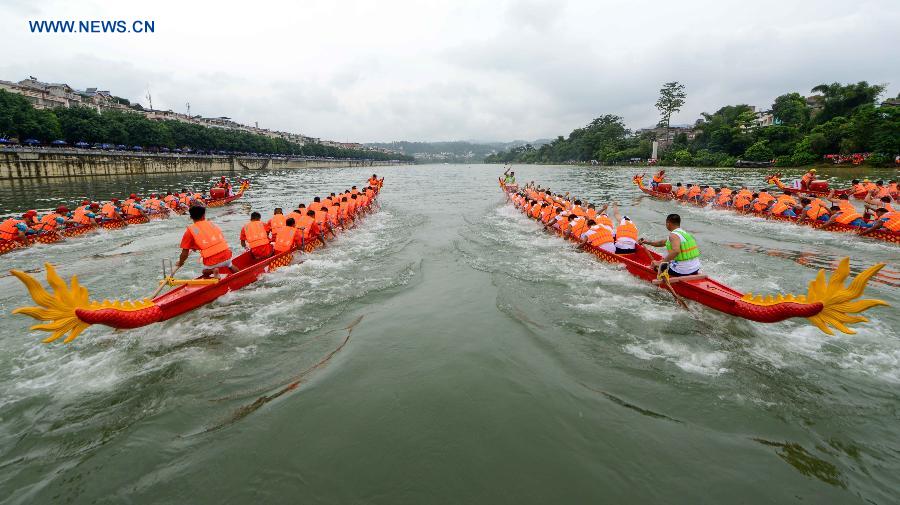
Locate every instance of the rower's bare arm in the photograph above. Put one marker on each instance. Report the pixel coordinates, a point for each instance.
(183, 257)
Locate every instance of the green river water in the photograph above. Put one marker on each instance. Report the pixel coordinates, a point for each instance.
(478, 360)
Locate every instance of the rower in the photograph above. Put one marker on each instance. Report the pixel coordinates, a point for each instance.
(53, 221)
(724, 197)
(679, 191)
(288, 237)
(277, 222)
(808, 178)
(373, 181)
(884, 219)
(658, 178)
(693, 193)
(135, 209)
(682, 256)
(846, 213)
(307, 224)
(297, 213)
(813, 210)
(708, 195)
(784, 206)
(13, 228)
(626, 232)
(110, 211)
(599, 236)
(509, 177)
(255, 237)
(84, 215)
(207, 238)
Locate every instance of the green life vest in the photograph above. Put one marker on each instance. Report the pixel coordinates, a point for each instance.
(689, 249)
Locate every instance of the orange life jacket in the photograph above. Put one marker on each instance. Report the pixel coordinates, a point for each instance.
(305, 223)
(153, 204)
(578, 211)
(579, 226)
(171, 201)
(277, 222)
(535, 211)
(284, 241)
(724, 196)
(709, 194)
(48, 222)
(315, 206)
(783, 203)
(79, 215)
(658, 178)
(9, 230)
(602, 235)
(680, 192)
(741, 201)
(893, 221)
(321, 216)
(132, 211)
(848, 212)
(694, 191)
(255, 234)
(591, 213)
(604, 220)
(209, 239)
(109, 211)
(816, 209)
(627, 230)
(295, 216)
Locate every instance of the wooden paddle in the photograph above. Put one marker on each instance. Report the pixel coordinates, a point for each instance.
(163, 283)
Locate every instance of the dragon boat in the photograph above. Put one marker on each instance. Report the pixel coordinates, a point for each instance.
(67, 310)
(816, 188)
(828, 304)
(218, 200)
(882, 234)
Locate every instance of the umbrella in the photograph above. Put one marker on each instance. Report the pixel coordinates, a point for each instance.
(137, 148)
(5, 141)
(164, 149)
(121, 146)
(58, 143)
(31, 142)
(82, 144)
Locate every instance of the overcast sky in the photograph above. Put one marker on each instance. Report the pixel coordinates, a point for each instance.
(454, 70)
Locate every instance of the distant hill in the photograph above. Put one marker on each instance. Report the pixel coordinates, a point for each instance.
(454, 151)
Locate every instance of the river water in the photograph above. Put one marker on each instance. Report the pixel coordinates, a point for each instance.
(448, 351)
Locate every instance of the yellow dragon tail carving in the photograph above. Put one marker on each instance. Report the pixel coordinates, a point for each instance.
(58, 308)
(841, 307)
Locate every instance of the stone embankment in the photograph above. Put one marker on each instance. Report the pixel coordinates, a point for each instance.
(39, 164)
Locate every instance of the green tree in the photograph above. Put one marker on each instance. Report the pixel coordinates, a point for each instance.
(671, 99)
(842, 100)
(759, 151)
(791, 110)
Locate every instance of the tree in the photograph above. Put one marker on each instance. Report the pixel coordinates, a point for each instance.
(671, 98)
(843, 100)
(759, 152)
(791, 109)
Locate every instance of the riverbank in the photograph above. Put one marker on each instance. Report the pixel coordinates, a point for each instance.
(39, 164)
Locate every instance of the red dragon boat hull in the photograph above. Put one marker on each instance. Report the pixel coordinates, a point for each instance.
(70, 311)
(722, 298)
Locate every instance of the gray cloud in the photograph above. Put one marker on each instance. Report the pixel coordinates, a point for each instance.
(517, 69)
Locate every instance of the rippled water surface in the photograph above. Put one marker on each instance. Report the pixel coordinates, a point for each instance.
(448, 351)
